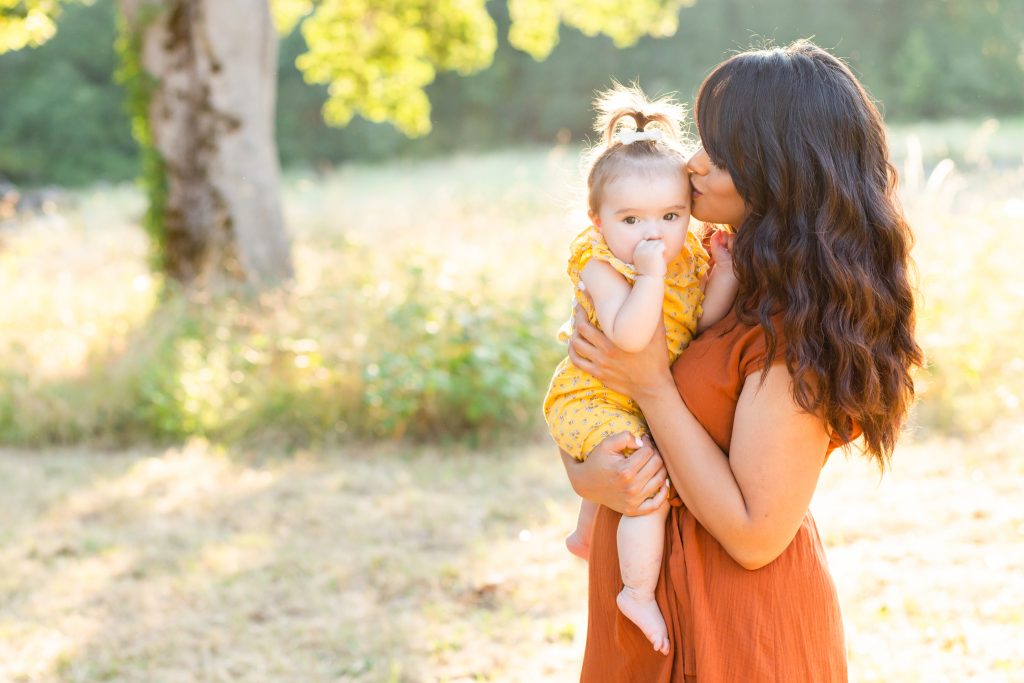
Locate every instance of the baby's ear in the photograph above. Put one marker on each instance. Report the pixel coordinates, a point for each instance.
(595, 218)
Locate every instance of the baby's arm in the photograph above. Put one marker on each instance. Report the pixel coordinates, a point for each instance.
(722, 285)
(628, 315)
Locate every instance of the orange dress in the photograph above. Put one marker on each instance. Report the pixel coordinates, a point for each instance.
(726, 624)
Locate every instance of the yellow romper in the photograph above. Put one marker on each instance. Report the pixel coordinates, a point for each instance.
(580, 411)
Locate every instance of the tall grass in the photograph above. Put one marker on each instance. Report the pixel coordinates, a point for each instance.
(424, 306)
(425, 303)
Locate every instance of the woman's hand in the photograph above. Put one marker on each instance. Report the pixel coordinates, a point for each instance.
(627, 373)
(633, 485)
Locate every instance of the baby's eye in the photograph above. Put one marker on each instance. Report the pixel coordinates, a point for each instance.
(670, 216)
(630, 220)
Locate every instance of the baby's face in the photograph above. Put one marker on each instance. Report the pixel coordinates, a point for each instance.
(637, 206)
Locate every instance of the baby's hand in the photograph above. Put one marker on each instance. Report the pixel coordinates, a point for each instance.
(721, 248)
(649, 258)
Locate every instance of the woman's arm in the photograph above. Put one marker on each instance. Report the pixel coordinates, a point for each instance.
(753, 501)
(634, 485)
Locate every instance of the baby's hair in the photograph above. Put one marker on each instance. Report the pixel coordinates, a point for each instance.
(611, 156)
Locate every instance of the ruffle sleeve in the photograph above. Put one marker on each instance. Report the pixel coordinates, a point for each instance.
(590, 244)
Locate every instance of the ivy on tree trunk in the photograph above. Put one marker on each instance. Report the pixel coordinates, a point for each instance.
(205, 87)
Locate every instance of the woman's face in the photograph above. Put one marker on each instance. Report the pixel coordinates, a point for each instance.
(715, 199)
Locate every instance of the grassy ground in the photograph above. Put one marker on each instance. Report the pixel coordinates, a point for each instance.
(378, 564)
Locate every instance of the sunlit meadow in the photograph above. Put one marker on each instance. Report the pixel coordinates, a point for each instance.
(297, 540)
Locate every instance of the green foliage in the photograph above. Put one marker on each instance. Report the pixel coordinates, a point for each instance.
(535, 23)
(61, 120)
(303, 137)
(139, 87)
(28, 23)
(378, 56)
(957, 54)
(410, 359)
(927, 59)
(288, 13)
(454, 364)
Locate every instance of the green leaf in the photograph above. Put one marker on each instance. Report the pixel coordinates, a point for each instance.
(378, 56)
(288, 13)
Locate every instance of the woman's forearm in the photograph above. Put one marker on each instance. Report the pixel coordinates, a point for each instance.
(700, 472)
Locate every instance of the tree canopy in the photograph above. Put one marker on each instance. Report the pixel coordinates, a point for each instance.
(28, 23)
(928, 59)
(376, 57)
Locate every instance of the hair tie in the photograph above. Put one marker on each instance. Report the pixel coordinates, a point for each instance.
(628, 137)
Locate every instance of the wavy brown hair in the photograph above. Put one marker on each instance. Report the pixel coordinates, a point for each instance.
(825, 248)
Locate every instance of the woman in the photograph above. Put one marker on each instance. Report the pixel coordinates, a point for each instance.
(817, 352)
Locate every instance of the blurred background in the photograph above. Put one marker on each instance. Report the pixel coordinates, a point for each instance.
(335, 469)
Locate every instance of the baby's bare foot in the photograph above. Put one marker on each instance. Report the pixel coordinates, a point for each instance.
(578, 545)
(643, 611)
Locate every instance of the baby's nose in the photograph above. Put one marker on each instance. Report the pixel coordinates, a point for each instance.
(652, 231)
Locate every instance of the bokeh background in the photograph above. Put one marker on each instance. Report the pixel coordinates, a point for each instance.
(345, 477)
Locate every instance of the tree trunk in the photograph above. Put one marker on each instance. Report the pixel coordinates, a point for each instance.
(211, 118)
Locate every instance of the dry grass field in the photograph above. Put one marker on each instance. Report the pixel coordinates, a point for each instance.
(388, 564)
(383, 561)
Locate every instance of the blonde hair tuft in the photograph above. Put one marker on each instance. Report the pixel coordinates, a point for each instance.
(615, 108)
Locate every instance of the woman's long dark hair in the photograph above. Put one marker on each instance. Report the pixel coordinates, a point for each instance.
(825, 247)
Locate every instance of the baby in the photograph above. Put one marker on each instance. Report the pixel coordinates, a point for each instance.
(638, 264)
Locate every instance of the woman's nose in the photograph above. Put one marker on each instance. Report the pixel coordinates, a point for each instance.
(698, 162)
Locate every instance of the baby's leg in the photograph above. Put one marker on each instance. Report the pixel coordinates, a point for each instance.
(578, 542)
(641, 542)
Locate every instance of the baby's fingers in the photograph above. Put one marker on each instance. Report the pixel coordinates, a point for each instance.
(722, 240)
(653, 503)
